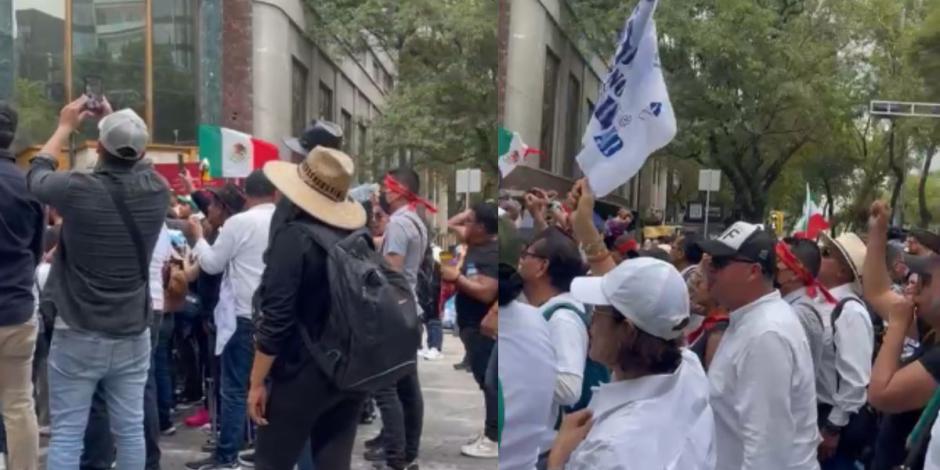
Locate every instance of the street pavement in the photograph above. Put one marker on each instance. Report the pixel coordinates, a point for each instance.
(453, 414)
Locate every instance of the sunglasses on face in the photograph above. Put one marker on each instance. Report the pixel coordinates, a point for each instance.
(528, 253)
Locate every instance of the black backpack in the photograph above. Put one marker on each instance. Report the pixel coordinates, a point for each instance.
(428, 288)
(371, 333)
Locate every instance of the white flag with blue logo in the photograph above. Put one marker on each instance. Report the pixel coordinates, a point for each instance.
(633, 117)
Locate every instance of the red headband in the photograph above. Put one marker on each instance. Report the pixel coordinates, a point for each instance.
(413, 199)
(793, 264)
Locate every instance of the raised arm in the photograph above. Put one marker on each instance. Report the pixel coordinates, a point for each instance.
(877, 284)
(592, 242)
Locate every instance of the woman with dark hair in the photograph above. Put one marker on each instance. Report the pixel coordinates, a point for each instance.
(655, 412)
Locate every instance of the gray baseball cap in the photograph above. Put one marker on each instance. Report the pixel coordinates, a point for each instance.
(121, 130)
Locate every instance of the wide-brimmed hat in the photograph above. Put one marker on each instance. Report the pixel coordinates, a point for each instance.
(231, 197)
(848, 247)
(319, 186)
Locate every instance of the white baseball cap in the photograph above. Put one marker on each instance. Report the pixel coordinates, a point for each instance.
(648, 292)
(123, 129)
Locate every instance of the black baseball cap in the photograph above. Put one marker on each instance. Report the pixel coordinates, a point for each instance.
(318, 133)
(230, 196)
(744, 241)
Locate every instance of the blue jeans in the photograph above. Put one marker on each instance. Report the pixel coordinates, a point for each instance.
(435, 334)
(78, 362)
(163, 363)
(237, 358)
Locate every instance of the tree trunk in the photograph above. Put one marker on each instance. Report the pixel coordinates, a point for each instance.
(925, 216)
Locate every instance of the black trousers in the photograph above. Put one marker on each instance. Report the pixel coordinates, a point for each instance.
(402, 408)
(99, 446)
(479, 349)
(308, 406)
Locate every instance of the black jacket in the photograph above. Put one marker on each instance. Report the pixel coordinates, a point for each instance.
(22, 226)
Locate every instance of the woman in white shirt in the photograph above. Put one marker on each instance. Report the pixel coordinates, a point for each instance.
(654, 415)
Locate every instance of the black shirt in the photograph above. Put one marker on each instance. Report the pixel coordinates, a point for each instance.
(482, 260)
(21, 232)
(96, 284)
(895, 428)
(294, 293)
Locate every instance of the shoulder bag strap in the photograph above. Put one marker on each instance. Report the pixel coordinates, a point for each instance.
(567, 306)
(116, 191)
(836, 313)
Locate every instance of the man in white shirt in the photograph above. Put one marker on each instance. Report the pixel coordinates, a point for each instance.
(527, 369)
(763, 389)
(547, 267)
(846, 363)
(654, 414)
(237, 252)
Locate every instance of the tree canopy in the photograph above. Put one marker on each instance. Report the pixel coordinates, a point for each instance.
(775, 93)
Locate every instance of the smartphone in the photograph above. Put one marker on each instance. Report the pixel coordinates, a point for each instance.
(94, 90)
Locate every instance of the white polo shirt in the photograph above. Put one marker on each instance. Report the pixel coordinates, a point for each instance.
(763, 391)
(527, 374)
(846, 362)
(569, 338)
(661, 422)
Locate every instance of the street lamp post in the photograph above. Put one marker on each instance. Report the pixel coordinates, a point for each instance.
(902, 109)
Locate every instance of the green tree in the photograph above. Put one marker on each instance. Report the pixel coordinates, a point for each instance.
(443, 105)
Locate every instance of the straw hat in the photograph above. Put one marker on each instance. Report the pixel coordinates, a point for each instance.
(319, 185)
(850, 248)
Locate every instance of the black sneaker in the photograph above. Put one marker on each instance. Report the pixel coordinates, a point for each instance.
(375, 443)
(461, 366)
(375, 455)
(210, 463)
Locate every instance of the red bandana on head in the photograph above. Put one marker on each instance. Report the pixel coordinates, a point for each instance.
(413, 199)
(792, 263)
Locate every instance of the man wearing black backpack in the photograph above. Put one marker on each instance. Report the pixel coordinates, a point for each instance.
(404, 246)
(477, 288)
(334, 322)
(847, 355)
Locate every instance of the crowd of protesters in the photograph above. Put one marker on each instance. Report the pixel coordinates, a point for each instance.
(126, 300)
(741, 351)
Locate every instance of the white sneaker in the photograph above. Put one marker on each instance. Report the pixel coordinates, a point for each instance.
(481, 449)
(433, 355)
(3, 461)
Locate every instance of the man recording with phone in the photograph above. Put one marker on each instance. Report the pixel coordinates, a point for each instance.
(98, 285)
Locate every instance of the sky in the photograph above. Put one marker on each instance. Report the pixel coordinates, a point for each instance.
(52, 7)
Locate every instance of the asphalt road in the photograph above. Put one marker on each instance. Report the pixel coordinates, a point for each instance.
(453, 415)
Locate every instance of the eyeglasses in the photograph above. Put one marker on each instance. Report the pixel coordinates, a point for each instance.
(527, 253)
(721, 262)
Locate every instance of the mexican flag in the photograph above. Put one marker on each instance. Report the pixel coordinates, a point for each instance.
(812, 221)
(512, 151)
(233, 154)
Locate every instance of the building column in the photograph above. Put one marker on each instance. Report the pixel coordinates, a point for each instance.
(210, 61)
(7, 52)
(236, 66)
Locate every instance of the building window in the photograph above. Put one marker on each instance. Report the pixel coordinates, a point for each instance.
(326, 102)
(549, 91)
(347, 131)
(362, 141)
(39, 90)
(298, 105)
(113, 50)
(175, 106)
(573, 126)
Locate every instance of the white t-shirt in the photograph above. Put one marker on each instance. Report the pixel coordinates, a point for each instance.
(763, 390)
(161, 254)
(527, 375)
(569, 337)
(661, 422)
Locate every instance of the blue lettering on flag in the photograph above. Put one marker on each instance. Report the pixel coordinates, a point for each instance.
(616, 81)
(627, 51)
(608, 142)
(656, 108)
(606, 112)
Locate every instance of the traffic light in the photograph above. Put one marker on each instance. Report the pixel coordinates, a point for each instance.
(776, 219)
